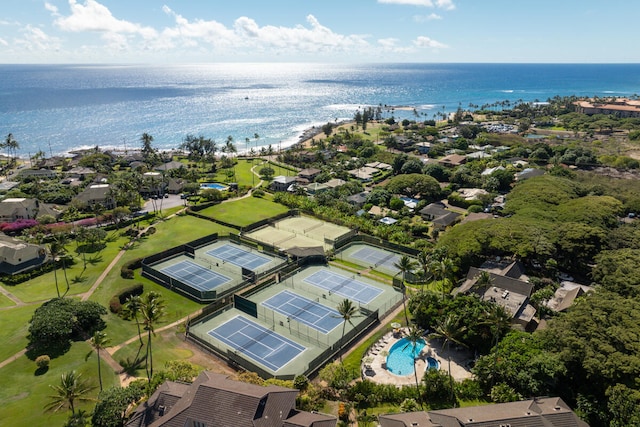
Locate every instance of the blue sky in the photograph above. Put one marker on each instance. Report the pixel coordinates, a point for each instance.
(187, 31)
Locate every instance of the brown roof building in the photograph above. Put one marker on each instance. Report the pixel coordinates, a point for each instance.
(215, 400)
(537, 412)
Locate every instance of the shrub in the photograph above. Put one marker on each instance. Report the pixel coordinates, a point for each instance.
(126, 271)
(151, 230)
(114, 305)
(130, 291)
(42, 362)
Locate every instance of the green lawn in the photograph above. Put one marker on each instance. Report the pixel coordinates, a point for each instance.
(24, 394)
(5, 301)
(165, 347)
(14, 326)
(245, 211)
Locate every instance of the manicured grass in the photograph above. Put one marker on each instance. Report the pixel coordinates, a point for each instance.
(24, 395)
(5, 301)
(166, 346)
(245, 211)
(43, 288)
(243, 175)
(14, 327)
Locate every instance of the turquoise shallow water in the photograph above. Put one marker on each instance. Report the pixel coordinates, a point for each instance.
(401, 356)
(63, 107)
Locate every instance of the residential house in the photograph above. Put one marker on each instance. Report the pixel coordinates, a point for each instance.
(528, 173)
(509, 287)
(453, 160)
(15, 208)
(17, 256)
(169, 166)
(470, 194)
(282, 183)
(565, 296)
(8, 185)
(175, 185)
(364, 174)
(37, 173)
(215, 400)
(380, 166)
(540, 411)
(438, 214)
(309, 174)
(423, 147)
(358, 199)
(96, 195)
(490, 171)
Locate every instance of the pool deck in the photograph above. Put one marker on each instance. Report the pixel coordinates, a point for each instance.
(379, 374)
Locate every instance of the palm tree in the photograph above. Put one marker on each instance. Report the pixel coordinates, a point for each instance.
(55, 250)
(347, 312)
(424, 262)
(72, 388)
(99, 341)
(405, 265)
(11, 145)
(414, 336)
(132, 307)
(152, 310)
(499, 321)
(449, 330)
(443, 270)
(483, 281)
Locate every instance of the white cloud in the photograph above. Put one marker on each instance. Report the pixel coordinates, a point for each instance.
(93, 16)
(425, 18)
(426, 42)
(3, 42)
(247, 34)
(34, 39)
(440, 4)
(51, 8)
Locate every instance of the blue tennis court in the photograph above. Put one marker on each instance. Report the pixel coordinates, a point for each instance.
(195, 275)
(259, 343)
(304, 310)
(238, 256)
(345, 286)
(376, 257)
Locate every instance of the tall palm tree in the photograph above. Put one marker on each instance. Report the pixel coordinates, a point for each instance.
(414, 336)
(499, 321)
(98, 341)
(347, 312)
(424, 262)
(405, 265)
(449, 330)
(132, 307)
(443, 271)
(55, 250)
(151, 310)
(72, 388)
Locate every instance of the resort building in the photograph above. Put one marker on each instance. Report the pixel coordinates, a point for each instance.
(17, 256)
(215, 400)
(546, 411)
(620, 107)
(15, 208)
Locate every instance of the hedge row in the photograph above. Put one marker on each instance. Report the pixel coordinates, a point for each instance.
(126, 271)
(115, 304)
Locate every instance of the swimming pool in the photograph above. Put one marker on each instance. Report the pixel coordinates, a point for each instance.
(432, 364)
(214, 185)
(401, 356)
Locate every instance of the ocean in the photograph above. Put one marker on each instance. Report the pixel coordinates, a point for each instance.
(59, 108)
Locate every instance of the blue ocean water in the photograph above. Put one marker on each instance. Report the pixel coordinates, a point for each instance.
(63, 107)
